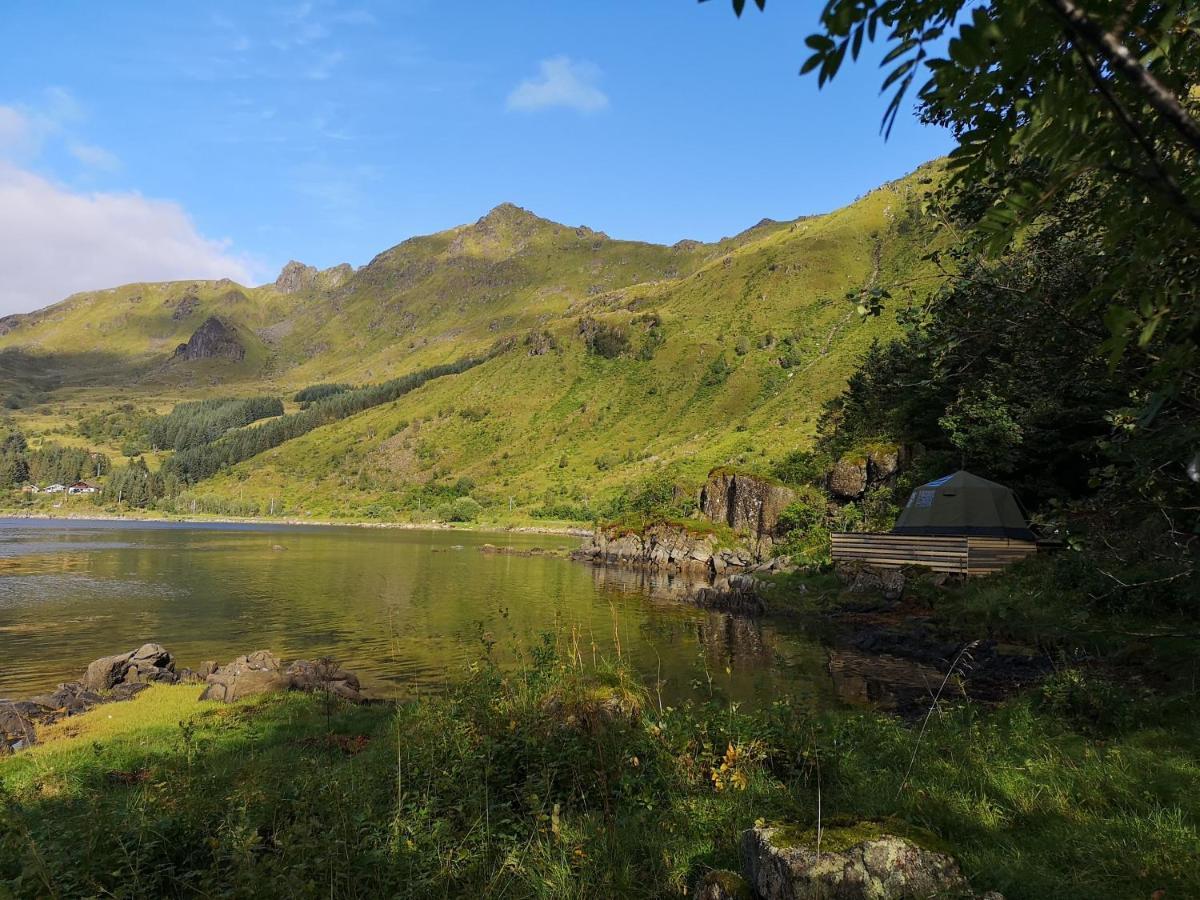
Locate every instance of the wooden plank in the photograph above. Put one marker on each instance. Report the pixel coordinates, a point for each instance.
(940, 553)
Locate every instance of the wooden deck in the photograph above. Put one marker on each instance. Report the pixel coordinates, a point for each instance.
(958, 554)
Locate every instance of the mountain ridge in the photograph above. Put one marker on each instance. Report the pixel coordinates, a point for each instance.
(615, 357)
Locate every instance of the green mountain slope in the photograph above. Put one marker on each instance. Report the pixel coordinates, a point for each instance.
(618, 358)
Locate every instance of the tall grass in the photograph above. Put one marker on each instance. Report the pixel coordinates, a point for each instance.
(559, 776)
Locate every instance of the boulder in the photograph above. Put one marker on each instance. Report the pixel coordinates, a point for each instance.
(861, 578)
(721, 884)
(848, 478)
(259, 672)
(107, 671)
(230, 686)
(883, 462)
(149, 662)
(324, 675)
(863, 862)
(745, 502)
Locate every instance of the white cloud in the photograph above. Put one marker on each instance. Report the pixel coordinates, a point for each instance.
(560, 82)
(25, 131)
(95, 157)
(54, 242)
(16, 132)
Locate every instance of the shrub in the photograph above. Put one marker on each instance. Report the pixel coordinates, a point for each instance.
(801, 467)
(604, 339)
(461, 509)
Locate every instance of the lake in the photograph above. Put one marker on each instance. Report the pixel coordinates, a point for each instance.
(407, 610)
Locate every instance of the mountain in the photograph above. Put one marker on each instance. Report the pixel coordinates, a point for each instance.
(611, 358)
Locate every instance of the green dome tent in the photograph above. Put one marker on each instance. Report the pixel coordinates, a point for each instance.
(964, 504)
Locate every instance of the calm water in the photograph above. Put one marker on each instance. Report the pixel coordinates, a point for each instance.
(405, 609)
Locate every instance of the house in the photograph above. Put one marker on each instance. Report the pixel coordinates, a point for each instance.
(54, 489)
(958, 523)
(83, 487)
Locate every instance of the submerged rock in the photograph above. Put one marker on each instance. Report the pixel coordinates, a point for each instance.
(863, 862)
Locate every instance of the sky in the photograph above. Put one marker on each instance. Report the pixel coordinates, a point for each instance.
(149, 141)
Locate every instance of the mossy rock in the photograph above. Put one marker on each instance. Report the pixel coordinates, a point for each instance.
(839, 835)
(722, 884)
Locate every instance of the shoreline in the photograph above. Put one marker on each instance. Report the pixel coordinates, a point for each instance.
(496, 528)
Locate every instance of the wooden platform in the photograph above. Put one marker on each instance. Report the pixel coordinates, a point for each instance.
(959, 554)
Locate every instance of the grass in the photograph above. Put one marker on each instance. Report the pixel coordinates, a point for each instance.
(557, 778)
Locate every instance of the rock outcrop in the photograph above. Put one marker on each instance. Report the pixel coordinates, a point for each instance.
(864, 862)
(852, 475)
(664, 546)
(673, 548)
(745, 503)
(212, 340)
(296, 277)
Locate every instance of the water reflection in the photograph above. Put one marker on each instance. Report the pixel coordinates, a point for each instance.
(406, 609)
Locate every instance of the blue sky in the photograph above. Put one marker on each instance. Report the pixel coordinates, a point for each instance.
(149, 140)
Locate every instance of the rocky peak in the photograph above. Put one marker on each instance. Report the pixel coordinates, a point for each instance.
(296, 276)
(212, 340)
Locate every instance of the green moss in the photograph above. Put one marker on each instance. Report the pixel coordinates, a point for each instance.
(840, 835)
(731, 882)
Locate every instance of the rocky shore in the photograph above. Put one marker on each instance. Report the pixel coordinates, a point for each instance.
(112, 679)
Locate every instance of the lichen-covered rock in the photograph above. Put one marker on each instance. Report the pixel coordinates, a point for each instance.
(848, 478)
(745, 503)
(255, 673)
(883, 462)
(861, 578)
(721, 884)
(863, 862)
(261, 672)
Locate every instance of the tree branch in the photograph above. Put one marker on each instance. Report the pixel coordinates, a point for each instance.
(1117, 55)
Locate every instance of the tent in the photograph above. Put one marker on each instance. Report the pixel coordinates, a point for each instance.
(964, 504)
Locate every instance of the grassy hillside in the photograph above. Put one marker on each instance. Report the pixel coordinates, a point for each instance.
(619, 358)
